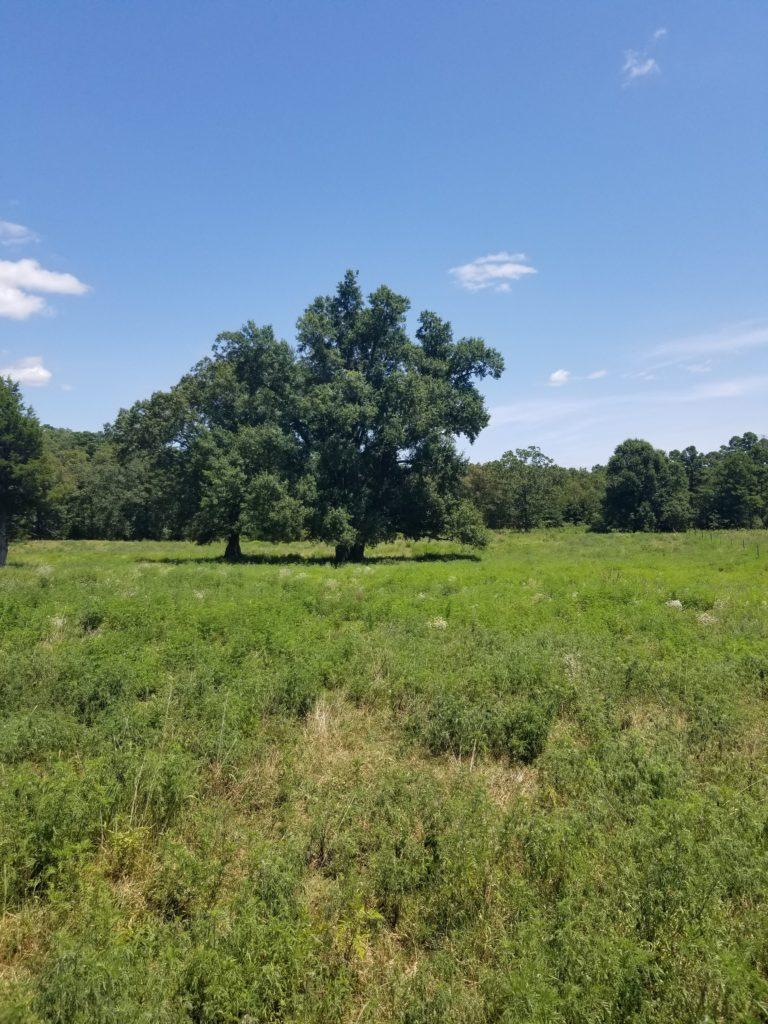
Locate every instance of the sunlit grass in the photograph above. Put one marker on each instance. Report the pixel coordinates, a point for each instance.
(434, 787)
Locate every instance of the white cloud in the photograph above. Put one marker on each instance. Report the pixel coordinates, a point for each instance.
(28, 274)
(638, 65)
(18, 305)
(597, 374)
(29, 371)
(15, 234)
(494, 271)
(20, 280)
(559, 377)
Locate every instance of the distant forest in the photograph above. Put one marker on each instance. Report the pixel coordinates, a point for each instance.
(99, 491)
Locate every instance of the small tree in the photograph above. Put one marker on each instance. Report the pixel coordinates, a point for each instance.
(489, 486)
(22, 476)
(534, 489)
(380, 414)
(698, 470)
(734, 498)
(224, 440)
(582, 495)
(645, 490)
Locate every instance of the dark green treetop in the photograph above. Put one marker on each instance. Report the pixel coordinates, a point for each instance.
(645, 490)
(22, 469)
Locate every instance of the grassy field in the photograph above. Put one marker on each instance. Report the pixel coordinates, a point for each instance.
(433, 788)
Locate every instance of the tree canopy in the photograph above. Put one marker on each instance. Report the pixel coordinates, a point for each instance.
(22, 469)
(525, 489)
(380, 414)
(225, 441)
(645, 490)
(351, 438)
(729, 487)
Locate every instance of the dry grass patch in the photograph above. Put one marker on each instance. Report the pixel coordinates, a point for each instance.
(649, 718)
(337, 734)
(24, 938)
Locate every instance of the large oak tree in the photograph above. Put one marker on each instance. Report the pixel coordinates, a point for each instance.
(350, 439)
(380, 415)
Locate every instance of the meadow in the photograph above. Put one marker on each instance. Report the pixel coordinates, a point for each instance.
(522, 786)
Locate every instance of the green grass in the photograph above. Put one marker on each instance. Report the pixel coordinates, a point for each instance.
(516, 788)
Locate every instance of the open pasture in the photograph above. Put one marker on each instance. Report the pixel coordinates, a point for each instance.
(525, 786)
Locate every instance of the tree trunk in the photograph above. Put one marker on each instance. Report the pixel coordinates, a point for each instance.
(3, 541)
(233, 552)
(350, 552)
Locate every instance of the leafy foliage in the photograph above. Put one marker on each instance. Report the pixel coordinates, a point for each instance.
(351, 439)
(381, 413)
(22, 470)
(729, 487)
(524, 489)
(645, 490)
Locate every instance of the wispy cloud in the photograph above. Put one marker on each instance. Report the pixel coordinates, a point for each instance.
(496, 271)
(705, 367)
(640, 375)
(677, 392)
(15, 234)
(558, 378)
(641, 63)
(728, 341)
(550, 410)
(21, 281)
(29, 372)
(736, 388)
(638, 65)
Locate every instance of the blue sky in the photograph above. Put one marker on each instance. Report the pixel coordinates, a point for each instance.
(585, 185)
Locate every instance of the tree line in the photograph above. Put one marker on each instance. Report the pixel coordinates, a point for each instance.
(641, 488)
(349, 437)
